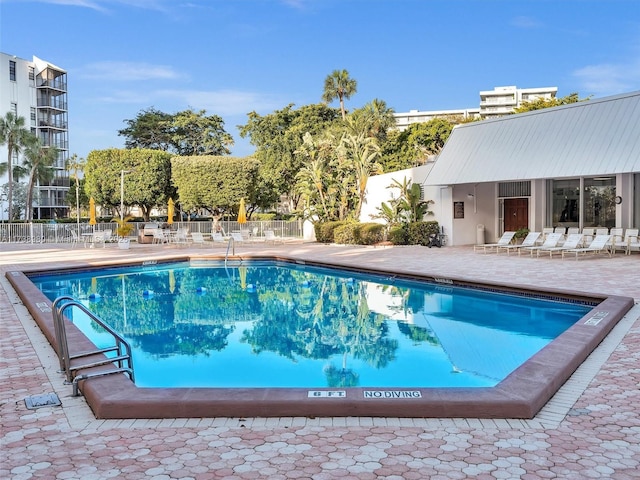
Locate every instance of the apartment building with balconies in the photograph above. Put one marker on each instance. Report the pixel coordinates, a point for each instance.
(493, 103)
(37, 91)
(504, 100)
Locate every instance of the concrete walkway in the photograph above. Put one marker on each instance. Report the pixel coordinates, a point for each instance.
(590, 429)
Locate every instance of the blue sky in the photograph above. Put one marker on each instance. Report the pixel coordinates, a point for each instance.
(231, 57)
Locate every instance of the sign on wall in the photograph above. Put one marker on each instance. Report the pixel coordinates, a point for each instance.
(458, 209)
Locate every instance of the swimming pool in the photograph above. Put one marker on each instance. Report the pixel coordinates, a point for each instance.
(520, 395)
(284, 325)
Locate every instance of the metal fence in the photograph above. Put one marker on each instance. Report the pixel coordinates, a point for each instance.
(62, 232)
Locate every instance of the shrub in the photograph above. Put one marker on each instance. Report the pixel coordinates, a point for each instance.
(324, 231)
(371, 233)
(419, 232)
(347, 234)
(398, 235)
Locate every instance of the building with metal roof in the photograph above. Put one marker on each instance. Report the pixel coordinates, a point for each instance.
(576, 165)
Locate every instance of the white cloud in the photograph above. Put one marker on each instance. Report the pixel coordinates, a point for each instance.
(224, 102)
(609, 78)
(103, 5)
(128, 71)
(525, 22)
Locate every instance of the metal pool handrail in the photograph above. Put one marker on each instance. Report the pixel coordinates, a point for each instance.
(123, 360)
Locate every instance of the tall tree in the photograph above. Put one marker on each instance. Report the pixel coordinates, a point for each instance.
(39, 160)
(147, 181)
(16, 136)
(150, 129)
(74, 166)
(195, 133)
(277, 136)
(184, 133)
(339, 85)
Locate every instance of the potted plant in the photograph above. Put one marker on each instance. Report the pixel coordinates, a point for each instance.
(520, 234)
(123, 230)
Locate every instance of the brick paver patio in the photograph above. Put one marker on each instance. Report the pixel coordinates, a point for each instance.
(590, 429)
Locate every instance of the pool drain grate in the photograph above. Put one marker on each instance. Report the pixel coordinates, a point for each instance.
(45, 400)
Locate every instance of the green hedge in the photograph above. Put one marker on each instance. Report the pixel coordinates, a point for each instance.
(398, 235)
(324, 231)
(418, 232)
(359, 233)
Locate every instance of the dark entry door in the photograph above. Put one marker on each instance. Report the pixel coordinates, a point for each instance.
(516, 214)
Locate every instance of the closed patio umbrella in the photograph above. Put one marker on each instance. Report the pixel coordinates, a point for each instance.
(242, 212)
(92, 212)
(170, 211)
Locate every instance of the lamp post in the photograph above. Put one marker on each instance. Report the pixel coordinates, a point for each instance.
(122, 172)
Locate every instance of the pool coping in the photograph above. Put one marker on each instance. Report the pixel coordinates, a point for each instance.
(521, 395)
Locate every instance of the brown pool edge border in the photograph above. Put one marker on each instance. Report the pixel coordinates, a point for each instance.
(521, 395)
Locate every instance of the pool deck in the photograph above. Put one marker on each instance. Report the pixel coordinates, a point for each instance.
(590, 428)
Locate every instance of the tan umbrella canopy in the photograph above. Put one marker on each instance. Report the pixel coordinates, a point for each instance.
(92, 212)
(242, 212)
(170, 211)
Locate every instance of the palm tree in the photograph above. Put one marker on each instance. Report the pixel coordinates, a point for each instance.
(76, 166)
(339, 85)
(362, 152)
(15, 135)
(39, 160)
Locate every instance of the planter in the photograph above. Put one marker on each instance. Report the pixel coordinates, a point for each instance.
(124, 244)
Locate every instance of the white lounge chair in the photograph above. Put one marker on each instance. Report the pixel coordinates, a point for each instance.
(529, 241)
(631, 240)
(617, 239)
(269, 236)
(598, 245)
(217, 237)
(504, 240)
(550, 242)
(237, 238)
(198, 239)
(588, 234)
(573, 241)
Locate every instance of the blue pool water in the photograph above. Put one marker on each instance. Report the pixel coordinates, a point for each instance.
(276, 324)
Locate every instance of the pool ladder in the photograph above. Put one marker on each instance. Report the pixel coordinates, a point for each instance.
(122, 362)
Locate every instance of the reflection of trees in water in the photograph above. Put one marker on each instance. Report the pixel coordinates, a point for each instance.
(418, 334)
(294, 313)
(317, 319)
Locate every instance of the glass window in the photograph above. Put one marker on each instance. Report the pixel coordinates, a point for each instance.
(599, 202)
(12, 70)
(14, 108)
(32, 76)
(565, 202)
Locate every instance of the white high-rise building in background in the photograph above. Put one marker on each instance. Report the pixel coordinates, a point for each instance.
(493, 103)
(37, 91)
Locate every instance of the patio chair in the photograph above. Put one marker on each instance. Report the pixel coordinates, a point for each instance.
(504, 240)
(181, 236)
(529, 241)
(197, 238)
(588, 234)
(551, 241)
(74, 237)
(159, 236)
(572, 230)
(632, 240)
(573, 241)
(217, 237)
(237, 238)
(617, 239)
(598, 245)
(271, 237)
